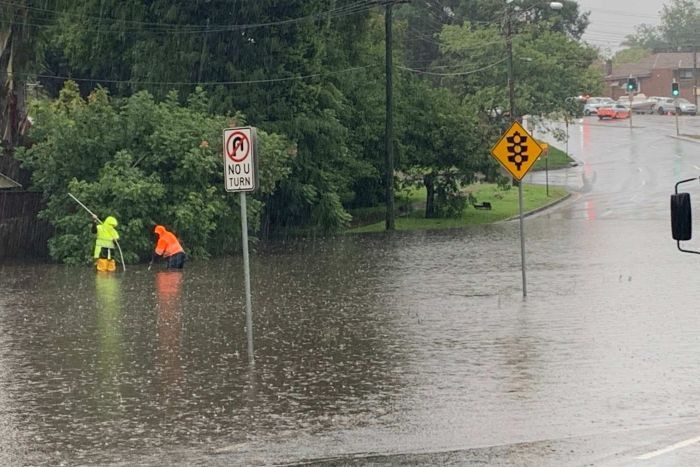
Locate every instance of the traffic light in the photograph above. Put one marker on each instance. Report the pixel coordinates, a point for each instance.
(631, 84)
(675, 92)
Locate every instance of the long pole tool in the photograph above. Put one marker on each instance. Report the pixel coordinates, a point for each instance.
(98, 220)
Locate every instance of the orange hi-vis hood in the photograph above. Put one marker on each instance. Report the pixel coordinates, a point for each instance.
(168, 244)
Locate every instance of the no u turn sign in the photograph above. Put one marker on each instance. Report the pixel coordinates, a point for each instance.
(240, 163)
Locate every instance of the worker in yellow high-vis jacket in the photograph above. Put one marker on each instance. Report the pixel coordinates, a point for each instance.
(104, 243)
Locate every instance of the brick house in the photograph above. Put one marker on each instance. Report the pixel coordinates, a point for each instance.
(655, 74)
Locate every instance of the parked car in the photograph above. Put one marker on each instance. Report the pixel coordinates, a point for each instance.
(614, 111)
(640, 103)
(593, 103)
(685, 107)
(663, 105)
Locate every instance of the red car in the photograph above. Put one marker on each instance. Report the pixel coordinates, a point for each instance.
(615, 111)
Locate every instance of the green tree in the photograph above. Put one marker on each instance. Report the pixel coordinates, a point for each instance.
(548, 67)
(440, 146)
(630, 55)
(145, 162)
(679, 29)
(272, 59)
(21, 49)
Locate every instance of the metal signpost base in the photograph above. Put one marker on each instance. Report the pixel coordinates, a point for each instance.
(246, 270)
(517, 151)
(522, 236)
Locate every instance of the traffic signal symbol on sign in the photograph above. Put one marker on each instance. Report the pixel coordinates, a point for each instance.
(675, 91)
(517, 151)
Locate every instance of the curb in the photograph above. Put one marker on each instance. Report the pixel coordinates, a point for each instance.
(611, 126)
(540, 209)
(684, 138)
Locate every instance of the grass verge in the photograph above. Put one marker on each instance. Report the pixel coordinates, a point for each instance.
(504, 205)
(558, 159)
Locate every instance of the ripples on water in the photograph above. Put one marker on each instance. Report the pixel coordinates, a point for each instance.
(405, 343)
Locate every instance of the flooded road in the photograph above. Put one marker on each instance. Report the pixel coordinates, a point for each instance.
(413, 347)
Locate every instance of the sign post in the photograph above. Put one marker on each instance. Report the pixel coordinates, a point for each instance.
(241, 175)
(545, 152)
(517, 152)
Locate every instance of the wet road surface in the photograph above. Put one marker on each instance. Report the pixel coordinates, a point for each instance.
(412, 348)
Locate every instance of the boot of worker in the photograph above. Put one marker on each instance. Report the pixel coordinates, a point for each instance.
(102, 264)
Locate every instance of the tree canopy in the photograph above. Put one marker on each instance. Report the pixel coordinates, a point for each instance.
(308, 73)
(679, 30)
(144, 162)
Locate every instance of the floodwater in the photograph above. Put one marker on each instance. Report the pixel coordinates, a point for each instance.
(415, 347)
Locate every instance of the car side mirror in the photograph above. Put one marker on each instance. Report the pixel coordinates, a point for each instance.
(681, 217)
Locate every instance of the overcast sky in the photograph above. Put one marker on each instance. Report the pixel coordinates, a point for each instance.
(612, 20)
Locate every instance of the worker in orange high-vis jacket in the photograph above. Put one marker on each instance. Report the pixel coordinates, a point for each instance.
(169, 248)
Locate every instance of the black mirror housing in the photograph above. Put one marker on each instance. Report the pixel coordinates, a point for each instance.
(681, 217)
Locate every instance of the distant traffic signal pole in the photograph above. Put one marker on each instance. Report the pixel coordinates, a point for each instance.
(631, 87)
(675, 92)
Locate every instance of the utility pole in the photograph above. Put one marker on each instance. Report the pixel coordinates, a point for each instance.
(509, 57)
(513, 118)
(389, 133)
(204, 50)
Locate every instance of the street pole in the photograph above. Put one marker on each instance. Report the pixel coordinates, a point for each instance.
(509, 57)
(566, 118)
(389, 134)
(695, 75)
(546, 172)
(675, 104)
(631, 97)
(511, 102)
(246, 269)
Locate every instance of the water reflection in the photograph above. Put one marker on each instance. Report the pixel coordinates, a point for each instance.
(108, 400)
(520, 359)
(168, 290)
(110, 353)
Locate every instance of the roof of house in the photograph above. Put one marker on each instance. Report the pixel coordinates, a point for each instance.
(661, 61)
(7, 182)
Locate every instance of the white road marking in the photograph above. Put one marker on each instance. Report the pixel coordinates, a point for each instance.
(670, 448)
(696, 167)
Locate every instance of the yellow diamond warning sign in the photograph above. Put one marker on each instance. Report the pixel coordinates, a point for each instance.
(517, 151)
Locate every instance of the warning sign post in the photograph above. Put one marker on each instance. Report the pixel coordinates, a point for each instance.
(517, 152)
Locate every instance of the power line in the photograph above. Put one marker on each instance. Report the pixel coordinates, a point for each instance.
(202, 83)
(172, 28)
(462, 73)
